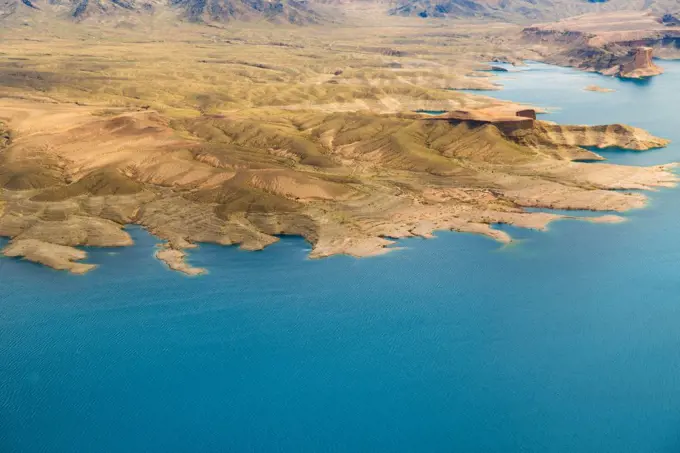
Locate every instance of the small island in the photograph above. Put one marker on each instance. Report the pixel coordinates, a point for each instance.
(598, 89)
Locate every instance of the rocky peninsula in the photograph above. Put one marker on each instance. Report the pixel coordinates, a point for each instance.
(620, 44)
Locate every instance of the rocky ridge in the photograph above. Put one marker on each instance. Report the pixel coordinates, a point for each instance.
(129, 12)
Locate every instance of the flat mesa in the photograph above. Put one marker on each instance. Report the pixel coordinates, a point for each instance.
(598, 89)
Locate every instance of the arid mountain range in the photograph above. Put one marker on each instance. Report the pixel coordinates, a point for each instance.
(318, 11)
(523, 11)
(207, 11)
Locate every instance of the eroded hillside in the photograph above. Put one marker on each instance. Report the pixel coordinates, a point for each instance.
(252, 136)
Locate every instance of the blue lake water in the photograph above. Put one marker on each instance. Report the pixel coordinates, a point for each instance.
(566, 341)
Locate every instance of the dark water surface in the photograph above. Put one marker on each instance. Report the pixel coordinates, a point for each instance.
(567, 341)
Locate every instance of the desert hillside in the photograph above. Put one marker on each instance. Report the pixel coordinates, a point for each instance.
(237, 136)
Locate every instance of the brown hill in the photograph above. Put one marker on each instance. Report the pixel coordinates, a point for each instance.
(284, 11)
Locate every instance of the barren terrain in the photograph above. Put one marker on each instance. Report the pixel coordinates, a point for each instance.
(238, 135)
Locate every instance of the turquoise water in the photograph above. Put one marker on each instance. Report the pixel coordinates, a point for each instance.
(567, 341)
(646, 103)
(431, 112)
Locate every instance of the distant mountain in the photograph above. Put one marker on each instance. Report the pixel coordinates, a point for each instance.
(523, 10)
(304, 12)
(74, 9)
(292, 11)
(442, 8)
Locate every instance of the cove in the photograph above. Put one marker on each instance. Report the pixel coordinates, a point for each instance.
(565, 341)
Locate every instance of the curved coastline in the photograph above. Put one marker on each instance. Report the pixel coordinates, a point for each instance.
(458, 209)
(522, 163)
(466, 342)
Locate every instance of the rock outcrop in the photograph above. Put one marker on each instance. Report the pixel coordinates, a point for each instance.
(639, 65)
(611, 60)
